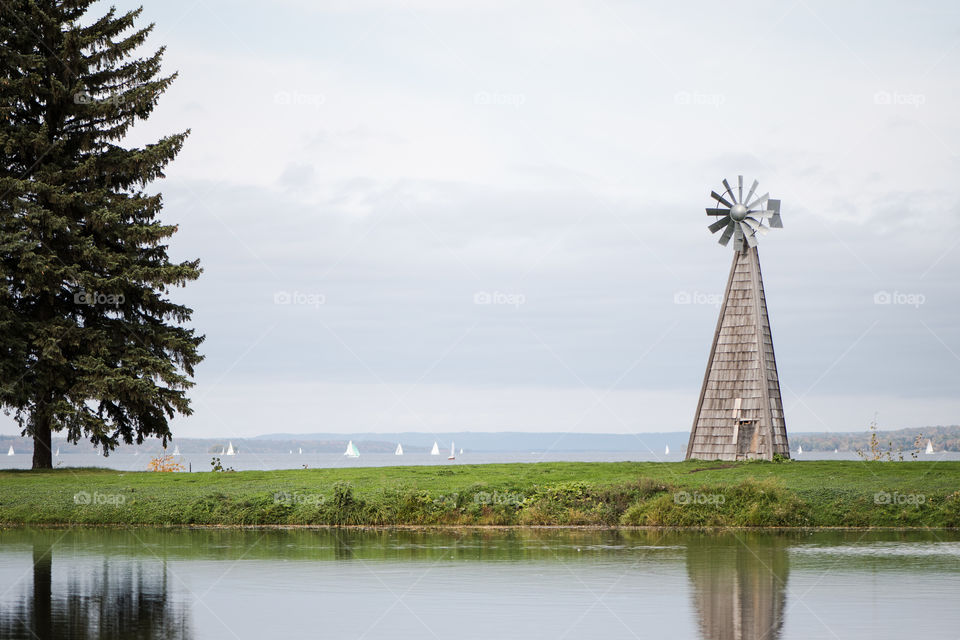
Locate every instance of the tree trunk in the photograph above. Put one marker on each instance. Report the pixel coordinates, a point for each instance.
(42, 456)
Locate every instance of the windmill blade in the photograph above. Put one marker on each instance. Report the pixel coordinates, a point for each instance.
(753, 188)
(761, 213)
(725, 236)
(757, 226)
(719, 224)
(740, 187)
(775, 221)
(748, 235)
(726, 185)
(737, 237)
(716, 196)
(717, 212)
(763, 198)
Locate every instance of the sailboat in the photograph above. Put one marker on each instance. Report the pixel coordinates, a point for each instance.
(230, 451)
(666, 451)
(399, 451)
(452, 457)
(929, 448)
(799, 449)
(836, 450)
(291, 452)
(461, 450)
(58, 452)
(299, 451)
(176, 450)
(436, 450)
(352, 450)
(10, 453)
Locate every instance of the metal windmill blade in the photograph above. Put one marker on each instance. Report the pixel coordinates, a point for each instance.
(737, 237)
(728, 233)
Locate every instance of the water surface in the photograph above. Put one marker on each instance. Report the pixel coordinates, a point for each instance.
(249, 461)
(178, 583)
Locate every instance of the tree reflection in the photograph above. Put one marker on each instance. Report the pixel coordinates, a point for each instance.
(739, 582)
(109, 599)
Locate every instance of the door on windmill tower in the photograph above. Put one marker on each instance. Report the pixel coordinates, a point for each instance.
(746, 435)
(748, 440)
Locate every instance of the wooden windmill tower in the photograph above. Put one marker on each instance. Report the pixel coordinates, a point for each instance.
(740, 413)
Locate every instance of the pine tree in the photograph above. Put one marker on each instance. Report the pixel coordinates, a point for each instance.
(90, 342)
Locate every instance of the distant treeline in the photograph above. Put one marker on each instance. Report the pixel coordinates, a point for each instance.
(943, 439)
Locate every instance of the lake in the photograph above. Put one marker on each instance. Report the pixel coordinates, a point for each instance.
(548, 583)
(267, 461)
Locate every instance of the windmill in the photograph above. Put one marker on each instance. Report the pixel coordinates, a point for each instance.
(740, 413)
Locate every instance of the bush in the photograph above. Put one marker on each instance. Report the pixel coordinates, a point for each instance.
(751, 503)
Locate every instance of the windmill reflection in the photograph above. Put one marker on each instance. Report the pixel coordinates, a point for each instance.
(739, 585)
(112, 598)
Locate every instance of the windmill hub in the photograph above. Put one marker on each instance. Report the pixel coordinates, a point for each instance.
(738, 212)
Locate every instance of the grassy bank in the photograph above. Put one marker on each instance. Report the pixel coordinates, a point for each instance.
(791, 494)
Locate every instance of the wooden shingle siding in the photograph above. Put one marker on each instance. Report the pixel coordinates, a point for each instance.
(741, 365)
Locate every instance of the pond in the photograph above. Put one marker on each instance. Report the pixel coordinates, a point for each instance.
(545, 583)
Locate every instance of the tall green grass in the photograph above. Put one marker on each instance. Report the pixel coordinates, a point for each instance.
(688, 494)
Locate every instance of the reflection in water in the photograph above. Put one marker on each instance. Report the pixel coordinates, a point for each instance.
(101, 599)
(486, 583)
(739, 586)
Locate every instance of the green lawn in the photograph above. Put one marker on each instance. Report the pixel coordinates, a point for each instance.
(797, 493)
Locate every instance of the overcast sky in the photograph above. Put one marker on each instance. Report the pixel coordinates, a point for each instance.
(363, 175)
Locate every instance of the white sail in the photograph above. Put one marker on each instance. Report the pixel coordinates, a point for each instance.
(291, 452)
(58, 452)
(176, 450)
(799, 449)
(436, 450)
(230, 451)
(10, 453)
(300, 450)
(461, 450)
(452, 456)
(399, 451)
(836, 450)
(666, 451)
(929, 448)
(352, 450)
